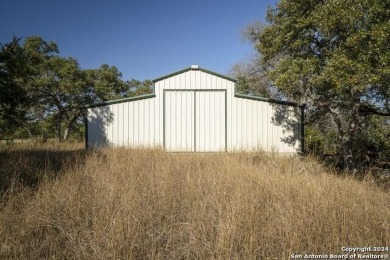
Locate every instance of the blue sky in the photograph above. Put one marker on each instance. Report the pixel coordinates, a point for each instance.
(144, 39)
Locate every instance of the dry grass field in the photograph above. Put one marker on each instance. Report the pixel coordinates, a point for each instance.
(64, 203)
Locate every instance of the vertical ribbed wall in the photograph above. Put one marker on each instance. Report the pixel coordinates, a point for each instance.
(210, 123)
(201, 114)
(131, 124)
(179, 117)
(260, 125)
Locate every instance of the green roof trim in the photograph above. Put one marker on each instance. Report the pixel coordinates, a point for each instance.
(269, 100)
(116, 101)
(257, 98)
(197, 68)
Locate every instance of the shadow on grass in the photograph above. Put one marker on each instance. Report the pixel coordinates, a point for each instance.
(27, 168)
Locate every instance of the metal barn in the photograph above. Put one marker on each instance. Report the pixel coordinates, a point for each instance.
(196, 110)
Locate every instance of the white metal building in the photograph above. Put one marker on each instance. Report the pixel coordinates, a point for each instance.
(196, 110)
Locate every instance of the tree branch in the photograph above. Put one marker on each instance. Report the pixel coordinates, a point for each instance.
(366, 109)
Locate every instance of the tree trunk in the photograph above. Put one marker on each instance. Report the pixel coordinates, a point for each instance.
(347, 152)
(28, 131)
(58, 126)
(66, 133)
(69, 126)
(346, 126)
(59, 133)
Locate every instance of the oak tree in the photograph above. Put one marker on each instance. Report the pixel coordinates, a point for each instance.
(333, 55)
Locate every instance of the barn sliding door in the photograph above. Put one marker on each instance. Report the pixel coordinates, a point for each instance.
(179, 121)
(210, 121)
(195, 120)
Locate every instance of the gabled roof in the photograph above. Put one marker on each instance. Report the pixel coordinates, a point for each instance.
(195, 67)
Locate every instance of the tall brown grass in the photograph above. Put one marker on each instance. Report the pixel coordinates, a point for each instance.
(131, 204)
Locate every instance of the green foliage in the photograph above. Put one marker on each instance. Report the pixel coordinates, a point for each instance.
(56, 86)
(333, 52)
(320, 142)
(137, 88)
(106, 83)
(314, 141)
(373, 142)
(334, 56)
(12, 94)
(251, 78)
(39, 87)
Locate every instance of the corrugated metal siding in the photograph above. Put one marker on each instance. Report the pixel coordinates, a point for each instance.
(195, 120)
(123, 124)
(98, 118)
(210, 128)
(211, 138)
(261, 125)
(179, 127)
(193, 79)
(196, 111)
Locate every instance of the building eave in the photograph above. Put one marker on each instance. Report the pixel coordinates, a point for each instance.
(269, 100)
(121, 100)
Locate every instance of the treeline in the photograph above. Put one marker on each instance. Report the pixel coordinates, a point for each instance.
(334, 56)
(331, 55)
(42, 92)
